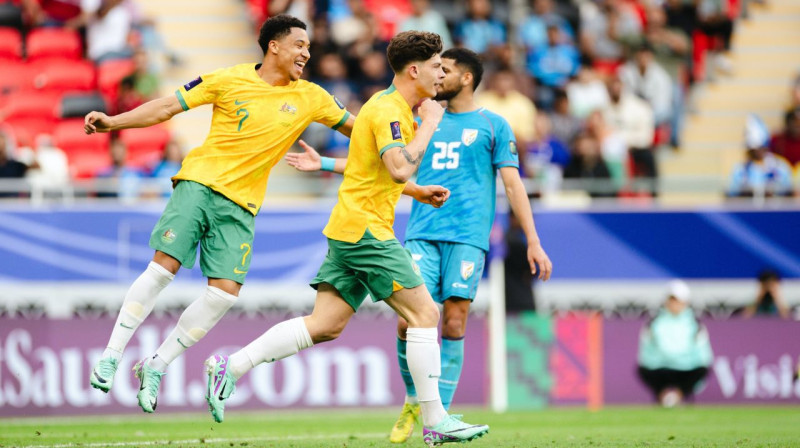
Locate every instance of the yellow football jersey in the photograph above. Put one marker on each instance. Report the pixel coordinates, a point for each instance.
(252, 127)
(368, 194)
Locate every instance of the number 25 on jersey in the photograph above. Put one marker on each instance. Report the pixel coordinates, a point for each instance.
(446, 156)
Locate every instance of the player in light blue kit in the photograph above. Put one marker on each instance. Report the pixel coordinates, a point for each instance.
(450, 243)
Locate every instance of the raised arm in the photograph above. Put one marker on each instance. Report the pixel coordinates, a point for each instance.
(521, 206)
(148, 114)
(403, 161)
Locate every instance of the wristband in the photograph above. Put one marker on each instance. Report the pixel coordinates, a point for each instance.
(327, 163)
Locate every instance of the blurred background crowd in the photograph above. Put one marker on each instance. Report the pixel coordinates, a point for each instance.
(599, 93)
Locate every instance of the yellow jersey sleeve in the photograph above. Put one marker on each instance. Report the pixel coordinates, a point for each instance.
(201, 90)
(385, 125)
(331, 112)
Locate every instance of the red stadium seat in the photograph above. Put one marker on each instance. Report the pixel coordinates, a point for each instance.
(145, 145)
(60, 43)
(64, 75)
(25, 129)
(84, 165)
(68, 135)
(109, 75)
(86, 153)
(10, 44)
(31, 104)
(14, 76)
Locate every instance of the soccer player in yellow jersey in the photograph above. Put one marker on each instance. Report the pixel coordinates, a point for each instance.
(259, 111)
(364, 257)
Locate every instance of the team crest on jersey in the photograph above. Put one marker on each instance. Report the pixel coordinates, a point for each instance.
(168, 237)
(416, 257)
(288, 108)
(193, 83)
(395, 126)
(468, 136)
(467, 269)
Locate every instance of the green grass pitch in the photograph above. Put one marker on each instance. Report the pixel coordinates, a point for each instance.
(573, 427)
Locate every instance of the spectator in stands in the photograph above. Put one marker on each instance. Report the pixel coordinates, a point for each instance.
(587, 165)
(333, 77)
(762, 174)
(503, 98)
(479, 31)
(49, 168)
(769, 299)
(643, 76)
(108, 26)
(148, 37)
(139, 87)
(425, 18)
(671, 45)
(545, 157)
(565, 126)
(52, 12)
(674, 349)
(552, 65)
(714, 21)
(374, 75)
(169, 166)
(672, 50)
(532, 32)
(634, 120)
(298, 8)
(367, 41)
(604, 26)
(9, 167)
(587, 93)
(787, 142)
(128, 179)
(612, 147)
(351, 20)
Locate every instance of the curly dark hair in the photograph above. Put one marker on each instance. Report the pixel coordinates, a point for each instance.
(277, 27)
(412, 46)
(468, 61)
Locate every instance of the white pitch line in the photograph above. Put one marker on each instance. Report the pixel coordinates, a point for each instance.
(210, 440)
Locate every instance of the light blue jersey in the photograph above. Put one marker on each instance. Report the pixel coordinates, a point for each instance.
(464, 154)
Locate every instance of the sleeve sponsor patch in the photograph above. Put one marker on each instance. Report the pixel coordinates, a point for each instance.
(338, 103)
(396, 135)
(512, 146)
(193, 83)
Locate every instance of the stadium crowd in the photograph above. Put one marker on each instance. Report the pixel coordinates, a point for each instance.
(593, 89)
(61, 59)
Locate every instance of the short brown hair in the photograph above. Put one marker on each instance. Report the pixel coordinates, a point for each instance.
(412, 46)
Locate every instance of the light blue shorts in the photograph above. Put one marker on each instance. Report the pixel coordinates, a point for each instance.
(449, 269)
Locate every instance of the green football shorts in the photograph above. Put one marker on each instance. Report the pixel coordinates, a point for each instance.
(370, 266)
(197, 214)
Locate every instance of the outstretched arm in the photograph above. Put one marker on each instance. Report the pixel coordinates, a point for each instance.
(148, 114)
(310, 160)
(521, 206)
